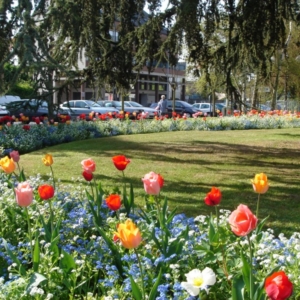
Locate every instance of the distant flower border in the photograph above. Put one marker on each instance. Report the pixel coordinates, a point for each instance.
(33, 136)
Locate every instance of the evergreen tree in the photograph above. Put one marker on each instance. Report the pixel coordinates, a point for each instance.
(47, 37)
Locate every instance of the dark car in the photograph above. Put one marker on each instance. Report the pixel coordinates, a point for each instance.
(132, 111)
(181, 108)
(31, 108)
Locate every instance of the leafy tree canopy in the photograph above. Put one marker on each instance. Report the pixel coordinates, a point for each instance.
(47, 37)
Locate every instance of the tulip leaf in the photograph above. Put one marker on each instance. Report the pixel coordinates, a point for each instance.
(238, 286)
(153, 291)
(143, 214)
(136, 292)
(14, 258)
(246, 271)
(131, 197)
(113, 248)
(171, 216)
(156, 241)
(67, 262)
(35, 280)
(259, 227)
(128, 201)
(36, 254)
(22, 176)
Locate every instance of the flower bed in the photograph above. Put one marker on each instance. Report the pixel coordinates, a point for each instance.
(26, 138)
(87, 242)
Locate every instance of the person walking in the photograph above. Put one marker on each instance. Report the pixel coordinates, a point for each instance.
(162, 106)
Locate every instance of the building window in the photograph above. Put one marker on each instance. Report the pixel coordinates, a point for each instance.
(114, 35)
(89, 95)
(143, 85)
(76, 95)
(162, 87)
(152, 85)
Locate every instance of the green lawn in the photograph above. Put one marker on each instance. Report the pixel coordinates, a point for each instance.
(193, 162)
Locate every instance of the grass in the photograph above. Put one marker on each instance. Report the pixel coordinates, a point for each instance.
(191, 163)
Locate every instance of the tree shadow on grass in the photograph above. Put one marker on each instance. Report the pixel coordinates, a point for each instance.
(280, 164)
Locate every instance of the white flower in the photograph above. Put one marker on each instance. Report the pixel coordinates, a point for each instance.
(197, 280)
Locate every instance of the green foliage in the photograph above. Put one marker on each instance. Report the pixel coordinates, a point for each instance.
(24, 90)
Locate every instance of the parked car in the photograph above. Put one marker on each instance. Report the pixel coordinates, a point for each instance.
(264, 107)
(6, 99)
(132, 111)
(75, 108)
(207, 107)
(30, 108)
(181, 108)
(151, 112)
(3, 111)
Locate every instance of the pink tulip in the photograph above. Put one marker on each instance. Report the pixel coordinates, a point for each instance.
(15, 156)
(88, 165)
(152, 183)
(242, 221)
(24, 194)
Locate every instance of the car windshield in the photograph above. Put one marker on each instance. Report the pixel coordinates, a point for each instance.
(118, 104)
(185, 104)
(135, 104)
(92, 103)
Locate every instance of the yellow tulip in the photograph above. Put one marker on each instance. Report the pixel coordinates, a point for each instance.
(260, 183)
(7, 164)
(129, 234)
(48, 160)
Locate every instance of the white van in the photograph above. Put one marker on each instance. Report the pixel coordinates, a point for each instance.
(8, 98)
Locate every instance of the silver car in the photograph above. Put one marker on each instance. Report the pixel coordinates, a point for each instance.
(3, 111)
(151, 112)
(75, 108)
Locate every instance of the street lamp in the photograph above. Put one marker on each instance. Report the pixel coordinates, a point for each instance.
(174, 87)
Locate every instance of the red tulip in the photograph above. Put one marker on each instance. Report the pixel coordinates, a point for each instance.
(87, 176)
(113, 202)
(26, 127)
(160, 180)
(120, 162)
(213, 197)
(278, 286)
(46, 191)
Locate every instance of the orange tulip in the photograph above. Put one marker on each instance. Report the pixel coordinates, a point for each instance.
(7, 164)
(129, 234)
(48, 160)
(260, 183)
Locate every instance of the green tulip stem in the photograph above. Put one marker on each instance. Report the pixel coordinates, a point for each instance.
(142, 273)
(257, 206)
(29, 231)
(92, 189)
(52, 176)
(251, 272)
(19, 167)
(217, 215)
(51, 216)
